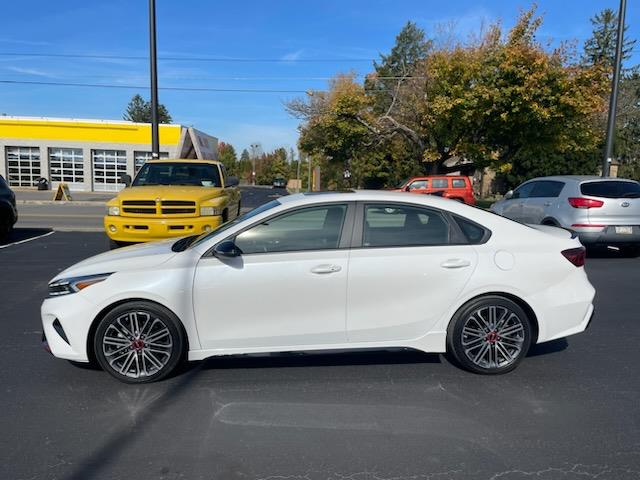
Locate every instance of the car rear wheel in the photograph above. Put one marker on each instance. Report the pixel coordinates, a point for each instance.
(139, 342)
(489, 335)
(6, 225)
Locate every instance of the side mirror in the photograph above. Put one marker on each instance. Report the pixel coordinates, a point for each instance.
(126, 179)
(226, 249)
(232, 182)
(508, 195)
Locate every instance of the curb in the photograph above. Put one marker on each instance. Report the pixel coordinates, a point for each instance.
(79, 203)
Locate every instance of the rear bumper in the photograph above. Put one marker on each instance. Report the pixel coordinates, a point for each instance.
(608, 235)
(140, 229)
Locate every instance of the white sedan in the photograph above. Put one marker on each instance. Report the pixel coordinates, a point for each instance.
(322, 272)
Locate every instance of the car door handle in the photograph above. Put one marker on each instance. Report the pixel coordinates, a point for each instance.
(547, 204)
(455, 263)
(322, 269)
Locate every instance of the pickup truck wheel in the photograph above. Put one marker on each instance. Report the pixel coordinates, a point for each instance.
(239, 208)
(113, 244)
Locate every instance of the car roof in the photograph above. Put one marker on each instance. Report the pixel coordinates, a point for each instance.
(183, 160)
(579, 178)
(367, 196)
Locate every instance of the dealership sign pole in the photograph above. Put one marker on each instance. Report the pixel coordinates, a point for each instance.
(155, 141)
(613, 101)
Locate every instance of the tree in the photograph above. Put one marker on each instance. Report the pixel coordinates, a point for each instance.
(227, 155)
(245, 166)
(139, 110)
(600, 48)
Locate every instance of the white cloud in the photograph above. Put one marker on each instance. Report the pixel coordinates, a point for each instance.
(31, 71)
(292, 56)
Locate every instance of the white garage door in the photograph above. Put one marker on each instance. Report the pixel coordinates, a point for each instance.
(108, 166)
(66, 165)
(23, 166)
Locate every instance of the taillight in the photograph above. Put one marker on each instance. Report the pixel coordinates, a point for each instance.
(579, 202)
(575, 256)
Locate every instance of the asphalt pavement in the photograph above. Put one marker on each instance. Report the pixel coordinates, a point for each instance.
(570, 411)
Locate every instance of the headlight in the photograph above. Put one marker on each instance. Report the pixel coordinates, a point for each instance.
(65, 286)
(113, 211)
(209, 211)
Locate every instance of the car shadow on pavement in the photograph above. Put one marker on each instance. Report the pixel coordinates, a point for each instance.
(323, 359)
(22, 234)
(548, 347)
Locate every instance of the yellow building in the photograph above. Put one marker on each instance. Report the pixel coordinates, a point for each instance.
(89, 155)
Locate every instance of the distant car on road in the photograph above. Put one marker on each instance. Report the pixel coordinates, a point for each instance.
(454, 187)
(602, 211)
(355, 270)
(8, 210)
(279, 182)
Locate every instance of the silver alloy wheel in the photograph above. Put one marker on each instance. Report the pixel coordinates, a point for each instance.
(493, 336)
(137, 344)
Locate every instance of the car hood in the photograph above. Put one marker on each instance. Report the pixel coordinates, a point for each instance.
(170, 192)
(135, 257)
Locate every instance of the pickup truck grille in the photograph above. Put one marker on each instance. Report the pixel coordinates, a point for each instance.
(164, 207)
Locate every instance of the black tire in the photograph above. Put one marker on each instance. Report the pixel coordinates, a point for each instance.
(6, 226)
(479, 337)
(139, 362)
(225, 216)
(239, 209)
(114, 245)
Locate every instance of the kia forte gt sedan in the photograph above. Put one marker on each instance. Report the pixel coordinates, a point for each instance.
(320, 272)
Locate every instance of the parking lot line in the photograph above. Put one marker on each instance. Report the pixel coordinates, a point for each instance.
(27, 240)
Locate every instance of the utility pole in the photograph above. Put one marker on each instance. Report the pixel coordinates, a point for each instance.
(155, 134)
(613, 100)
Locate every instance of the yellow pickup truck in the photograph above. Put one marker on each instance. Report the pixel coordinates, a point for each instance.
(172, 198)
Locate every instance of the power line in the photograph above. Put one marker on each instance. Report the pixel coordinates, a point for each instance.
(186, 59)
(140, 87)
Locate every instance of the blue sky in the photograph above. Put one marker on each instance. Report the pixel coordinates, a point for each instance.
(295, 33)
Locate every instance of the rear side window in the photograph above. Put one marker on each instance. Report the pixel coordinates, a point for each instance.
(402, 226)
(546, 189)
(611, 189)
(440, 183)
(475, 233)
(458, 183)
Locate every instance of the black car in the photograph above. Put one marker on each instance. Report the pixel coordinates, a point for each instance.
(8, 212)
(279, 182)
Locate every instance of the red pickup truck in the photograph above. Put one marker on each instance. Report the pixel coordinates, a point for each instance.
(455, 187)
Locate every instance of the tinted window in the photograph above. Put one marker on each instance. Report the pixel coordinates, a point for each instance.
(418, 184)
(458, 183)
(474, 232)
(315, 228)
(399, 225)
(546, 188)
(524, 191)
(440, 183)
(611, 189)
(196, 174)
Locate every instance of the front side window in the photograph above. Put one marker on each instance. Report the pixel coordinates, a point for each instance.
(418, 185)
(524, 191)
(400, 226)
(178, 173)
(440, 183)
(313, 228)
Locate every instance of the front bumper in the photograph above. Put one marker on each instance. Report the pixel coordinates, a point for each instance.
(140, 229)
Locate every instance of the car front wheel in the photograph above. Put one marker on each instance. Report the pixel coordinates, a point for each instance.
(489, 335)
(139, 342)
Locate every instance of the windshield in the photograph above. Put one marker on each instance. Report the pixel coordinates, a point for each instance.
(199, 239)
(178, 173)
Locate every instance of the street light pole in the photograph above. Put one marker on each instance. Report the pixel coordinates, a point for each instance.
(613, 100)
(155, 134)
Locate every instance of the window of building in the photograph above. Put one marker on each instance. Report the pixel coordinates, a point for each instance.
(66, 165)
(23, 166)
(108, 167)
(313, 228)
(140, 158)
(401, 226)
(440, 183)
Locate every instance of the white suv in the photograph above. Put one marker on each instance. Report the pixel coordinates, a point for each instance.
(604, 211)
